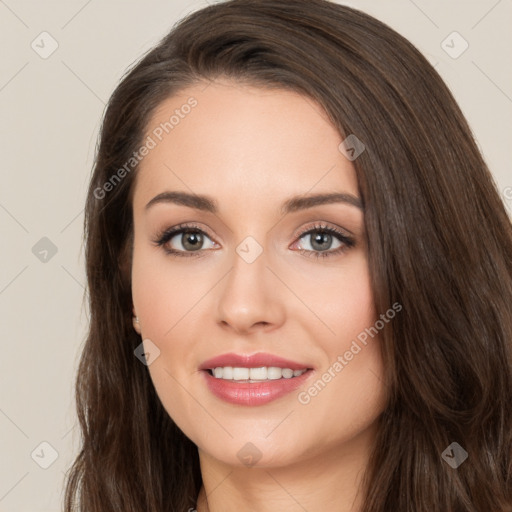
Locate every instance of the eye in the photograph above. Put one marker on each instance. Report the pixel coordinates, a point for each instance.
(323, 241)
(191, 241)
(184, 240)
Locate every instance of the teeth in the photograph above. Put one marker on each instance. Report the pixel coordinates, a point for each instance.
(240, 373)
(274, 373)
(255, 374)
(258, 373)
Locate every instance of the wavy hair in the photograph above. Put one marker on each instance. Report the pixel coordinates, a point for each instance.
(439, 243)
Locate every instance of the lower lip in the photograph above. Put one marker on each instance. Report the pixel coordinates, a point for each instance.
(253, 393)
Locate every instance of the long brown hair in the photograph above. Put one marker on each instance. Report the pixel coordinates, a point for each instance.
(439, 242)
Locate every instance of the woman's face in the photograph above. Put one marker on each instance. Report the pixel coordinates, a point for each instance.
(263, 270)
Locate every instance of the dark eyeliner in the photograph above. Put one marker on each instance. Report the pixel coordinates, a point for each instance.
(164, 236)
(347, 241)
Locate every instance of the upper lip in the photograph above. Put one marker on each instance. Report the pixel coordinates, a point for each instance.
(251, 361)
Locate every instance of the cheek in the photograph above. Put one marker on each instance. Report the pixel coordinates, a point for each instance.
(167, 297)
(163, 290)
(349, 391)
(343, 300)
(162, 297)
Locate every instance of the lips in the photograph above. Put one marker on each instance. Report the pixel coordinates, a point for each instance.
(249, 392)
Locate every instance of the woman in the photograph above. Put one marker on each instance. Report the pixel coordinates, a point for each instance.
(300, 278)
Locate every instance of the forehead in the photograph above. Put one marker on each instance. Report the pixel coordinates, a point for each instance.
(243, 143)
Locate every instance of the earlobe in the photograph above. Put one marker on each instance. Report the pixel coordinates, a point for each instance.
(136, 324)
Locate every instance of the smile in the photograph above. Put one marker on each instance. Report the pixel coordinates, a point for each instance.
(254, 379)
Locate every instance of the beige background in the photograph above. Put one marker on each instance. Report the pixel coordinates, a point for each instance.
(50, 115)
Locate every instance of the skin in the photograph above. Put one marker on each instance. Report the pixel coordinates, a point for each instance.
(250, 149)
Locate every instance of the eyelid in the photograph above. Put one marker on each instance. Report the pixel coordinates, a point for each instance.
(185, 226)
(323, 226)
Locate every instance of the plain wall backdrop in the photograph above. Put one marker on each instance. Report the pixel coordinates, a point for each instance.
(60, 61)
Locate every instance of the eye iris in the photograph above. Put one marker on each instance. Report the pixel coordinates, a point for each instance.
(321, 241)
(192, 240)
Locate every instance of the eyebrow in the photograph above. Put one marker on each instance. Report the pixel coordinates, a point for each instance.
(208, 204)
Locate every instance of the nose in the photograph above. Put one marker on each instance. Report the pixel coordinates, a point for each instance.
(251, 298)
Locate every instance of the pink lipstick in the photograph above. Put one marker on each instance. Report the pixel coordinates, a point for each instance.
(254, 379)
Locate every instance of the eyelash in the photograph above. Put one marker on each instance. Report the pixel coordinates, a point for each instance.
(166, 235)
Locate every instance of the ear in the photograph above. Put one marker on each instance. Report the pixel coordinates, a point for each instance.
(136, 325)
(135, 321)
